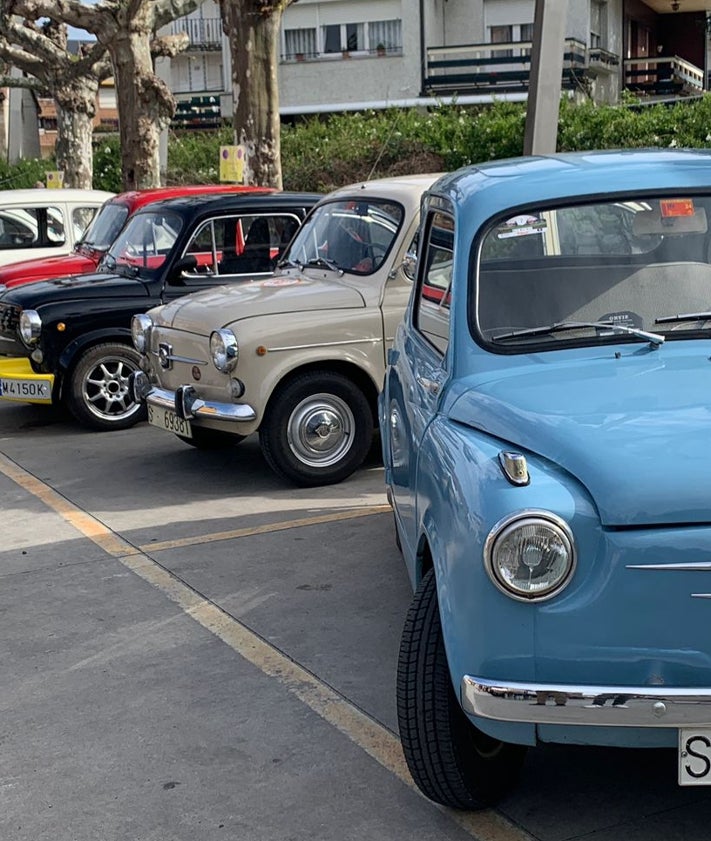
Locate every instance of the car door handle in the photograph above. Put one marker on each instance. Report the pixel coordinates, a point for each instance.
(431, 386)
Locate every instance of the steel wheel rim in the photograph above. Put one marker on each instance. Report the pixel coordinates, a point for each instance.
(104, 389)
(320, 430)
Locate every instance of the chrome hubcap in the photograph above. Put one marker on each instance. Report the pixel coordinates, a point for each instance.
(320, 430)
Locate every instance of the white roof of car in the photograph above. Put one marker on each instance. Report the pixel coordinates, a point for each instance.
(39, 195)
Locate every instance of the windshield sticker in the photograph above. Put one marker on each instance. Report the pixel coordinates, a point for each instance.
(521, 226)
(281, 281)
(676, 207)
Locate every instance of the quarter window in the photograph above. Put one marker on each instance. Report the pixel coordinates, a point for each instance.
(434, 292)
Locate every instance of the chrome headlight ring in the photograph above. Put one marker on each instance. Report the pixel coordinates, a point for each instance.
(530, 555)
(141, 326)
(30, 327)
(224, 350)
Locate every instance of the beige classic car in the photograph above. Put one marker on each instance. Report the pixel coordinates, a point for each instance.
(298, 357)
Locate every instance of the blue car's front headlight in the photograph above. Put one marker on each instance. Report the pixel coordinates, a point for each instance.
(530, 555)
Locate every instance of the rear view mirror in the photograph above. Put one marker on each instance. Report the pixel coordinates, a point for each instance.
(660, 222)
(184, 265)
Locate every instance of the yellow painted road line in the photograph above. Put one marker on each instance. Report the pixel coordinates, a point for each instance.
(267, 528)
(375, 739)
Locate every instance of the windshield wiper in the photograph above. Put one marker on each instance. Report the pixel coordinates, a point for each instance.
(290, 264)
(689, 316)
(324, 261)
(654, 338)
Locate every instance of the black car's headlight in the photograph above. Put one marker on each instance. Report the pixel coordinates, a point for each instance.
(140, 331)
(224, 350)
(30, 327)
(530, 555)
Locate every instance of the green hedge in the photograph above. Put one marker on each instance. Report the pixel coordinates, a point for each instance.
(323, 153)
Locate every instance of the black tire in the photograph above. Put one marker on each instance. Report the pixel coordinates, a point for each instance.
(97, 391)
(451, 761)
(317, 430)
(211, 439)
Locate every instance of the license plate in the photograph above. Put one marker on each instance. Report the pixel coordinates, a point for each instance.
(695, 757)
(25, 390)
(166, 419)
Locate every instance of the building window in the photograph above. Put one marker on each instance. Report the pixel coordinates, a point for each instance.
(501, 35)
(299, 43)
(385, 34)
(598, 24)
(344, 37)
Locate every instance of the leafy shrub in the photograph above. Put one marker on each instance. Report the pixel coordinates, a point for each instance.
(321, 153)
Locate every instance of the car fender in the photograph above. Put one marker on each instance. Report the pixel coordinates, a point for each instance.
(76, 347)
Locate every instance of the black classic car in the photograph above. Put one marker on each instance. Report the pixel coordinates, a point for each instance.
(69, 339)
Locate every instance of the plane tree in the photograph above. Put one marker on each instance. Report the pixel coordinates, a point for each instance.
(252, 29)
(40, 51)
(126, 30)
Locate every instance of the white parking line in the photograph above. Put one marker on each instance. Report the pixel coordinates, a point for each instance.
(377, 741)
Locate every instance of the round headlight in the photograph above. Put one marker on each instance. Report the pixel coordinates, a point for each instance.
(530, 555)
(30, 326)
(224, 350)
(140, 330)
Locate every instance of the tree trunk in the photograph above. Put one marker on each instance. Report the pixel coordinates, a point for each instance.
(141, 94)
(252, 27)
(76, 109)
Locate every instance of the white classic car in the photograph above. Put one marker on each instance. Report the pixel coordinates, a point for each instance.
(299, 356)
(41, 222)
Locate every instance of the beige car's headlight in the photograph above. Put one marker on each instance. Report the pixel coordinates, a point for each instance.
(30, 327)
(530, 555)
(141, 326)
(224, 350)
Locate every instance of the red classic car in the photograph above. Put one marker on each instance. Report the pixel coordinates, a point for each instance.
(101, 233)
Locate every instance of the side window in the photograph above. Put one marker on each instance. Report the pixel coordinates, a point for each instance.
(19, 228)
(253, 244)
(81, 219)
(55, 226)
(433, 295)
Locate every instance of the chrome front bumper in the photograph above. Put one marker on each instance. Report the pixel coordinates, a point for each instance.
(185, 403)
(605, 706)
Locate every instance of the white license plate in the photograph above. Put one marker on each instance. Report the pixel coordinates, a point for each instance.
(695, 757)
(25, 389)
(166, 419)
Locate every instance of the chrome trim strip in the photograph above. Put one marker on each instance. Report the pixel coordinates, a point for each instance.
(701, 595)
(604, 706)
(161, 398)
(697, 566)
(362, 341)
(173, 358)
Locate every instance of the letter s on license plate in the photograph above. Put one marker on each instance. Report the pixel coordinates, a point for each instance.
(166, 419)
(695, 757)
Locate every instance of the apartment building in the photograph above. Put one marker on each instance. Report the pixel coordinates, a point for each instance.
(339, 55)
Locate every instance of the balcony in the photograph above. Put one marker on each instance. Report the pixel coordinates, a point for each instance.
(662, 77)
(205, 34)
(495, 68)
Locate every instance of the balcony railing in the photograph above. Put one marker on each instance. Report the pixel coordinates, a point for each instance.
(204, 33)
(491, 68)
(663, 77)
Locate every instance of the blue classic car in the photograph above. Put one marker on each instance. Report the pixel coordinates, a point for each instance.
(545, 421)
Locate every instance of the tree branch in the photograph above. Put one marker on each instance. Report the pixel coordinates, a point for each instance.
(72, 12)
(166, 11)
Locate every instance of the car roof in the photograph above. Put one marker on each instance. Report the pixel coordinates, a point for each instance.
(397, 188)
(138, 198)
(516, 181)
(189, 205)
(41, 195)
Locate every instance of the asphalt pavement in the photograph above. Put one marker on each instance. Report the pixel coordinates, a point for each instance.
(195, 651)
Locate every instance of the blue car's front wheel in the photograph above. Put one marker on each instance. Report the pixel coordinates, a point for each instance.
(451, 761)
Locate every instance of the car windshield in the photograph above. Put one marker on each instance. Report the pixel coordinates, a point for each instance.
(348, 235)
(105, 226)
(630, 269)
(144, 244)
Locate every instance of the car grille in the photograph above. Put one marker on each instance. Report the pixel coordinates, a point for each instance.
(9, 318)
